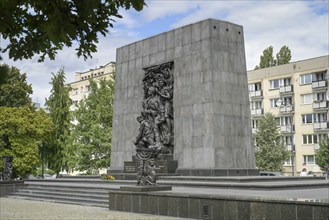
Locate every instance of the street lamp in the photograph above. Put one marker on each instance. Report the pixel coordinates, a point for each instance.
(280, 103)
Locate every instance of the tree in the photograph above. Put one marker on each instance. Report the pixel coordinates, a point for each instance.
(283, 56)
(20, 131)
(14, 90)
(93, 131)
(44, 27)
(268, 60)
(269, 151)
(58, 105)
(322, 156)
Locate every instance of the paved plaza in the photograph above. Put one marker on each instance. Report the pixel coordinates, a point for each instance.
(19, 209)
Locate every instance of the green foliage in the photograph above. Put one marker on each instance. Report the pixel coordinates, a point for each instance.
(268, 60)
(269, 151)
(44, 27)
(93, 132)
(14, 90)
(20, 131)
(58, 105)
(284, 56)
(322, 156)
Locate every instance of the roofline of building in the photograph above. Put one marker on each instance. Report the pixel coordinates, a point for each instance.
(293, 62)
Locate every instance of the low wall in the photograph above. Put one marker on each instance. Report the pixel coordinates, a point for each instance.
(8, 187)
(217, 207)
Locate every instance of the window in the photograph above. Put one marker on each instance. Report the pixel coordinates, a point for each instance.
(307, 98)
(87, 88)
(305, 79)
(276, 83)
(288, 162)
(309, 159)
(255, 87)
(307, 119)
(256, 105)
(284, 121)
(322, 137)
(320, 117)
(254, 123)
(287, 140)
(312, 77)
(273, 102)
(310, 139)
(81, 90)
(319, 76)
(320, 96)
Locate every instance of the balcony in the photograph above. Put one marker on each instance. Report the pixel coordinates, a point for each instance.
(287, 128)
(320, 125)
(286, 89)
(320, 104)
(256, 112)
(286, 109)
(256, 94)
(289, 147)
(319, 85)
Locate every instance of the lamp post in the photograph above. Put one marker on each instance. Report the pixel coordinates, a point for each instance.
(280, 104)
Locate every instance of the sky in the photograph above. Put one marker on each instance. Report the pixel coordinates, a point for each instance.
(303, 26)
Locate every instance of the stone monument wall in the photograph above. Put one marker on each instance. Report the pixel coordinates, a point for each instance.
(212, 131)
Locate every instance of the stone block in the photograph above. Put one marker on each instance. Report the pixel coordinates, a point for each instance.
(145, 204)
(173, 206)
(258, 210)
(304, 212)
(136, 203)
(112, 201)
(154, 205)
(194, 210)
(183, 208)
(127, 202)
(163, 205)
(231, 209)
(321, 213)
(217, 209)
(273, 211)
(169, 40)
(289, 212)
(119, 202)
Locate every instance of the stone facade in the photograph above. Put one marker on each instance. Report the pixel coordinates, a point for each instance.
(212, 128)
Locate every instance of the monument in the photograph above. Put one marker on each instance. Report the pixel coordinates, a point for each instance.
(187, 88)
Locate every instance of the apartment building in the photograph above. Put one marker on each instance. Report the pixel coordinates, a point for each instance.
(81, 86)
(297, 94)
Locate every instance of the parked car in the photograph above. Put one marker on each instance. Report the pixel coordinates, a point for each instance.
(270, 173)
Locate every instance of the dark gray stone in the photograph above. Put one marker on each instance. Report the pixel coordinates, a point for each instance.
(145, 188)
(163, 205)
(127, 203)
(257, 210)
(273, 211)
(154, 205)
(231, 209)
(145, 204)
(119, 202)
(321, 213)
(218, 211)
(183, 207)
(288, 212)
(137, 203)
(194, 205)
(112, 201)
(205, 208)
(243, 210)
(304, 212)
(173, 206)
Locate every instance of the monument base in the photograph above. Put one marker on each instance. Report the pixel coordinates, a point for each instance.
(145, 188)
(218, 172)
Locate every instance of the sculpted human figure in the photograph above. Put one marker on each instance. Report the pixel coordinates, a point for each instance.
(145, 136)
